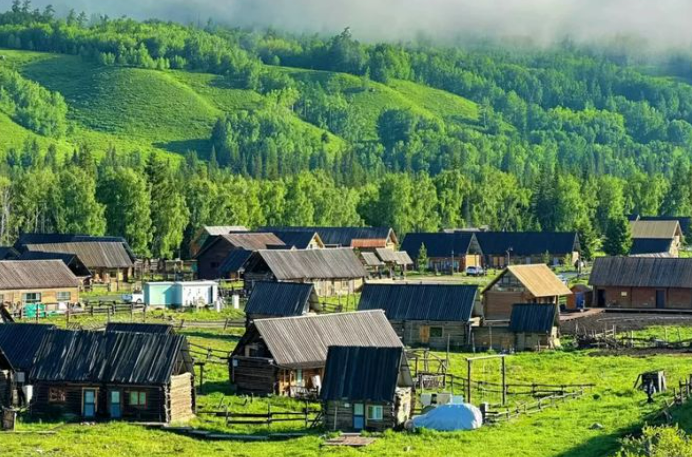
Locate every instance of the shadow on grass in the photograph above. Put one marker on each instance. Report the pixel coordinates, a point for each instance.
(183, 146)
(211, 387)
(211, 335)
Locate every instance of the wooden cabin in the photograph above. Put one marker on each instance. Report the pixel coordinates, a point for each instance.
(332, 271)
(33, 283)
(287, 355)
(684, 221)
(446, 251)
(521, 248)
(656, 235)
(142, 377)
(431, 315)
(521, 284)
(361, 238)
(642, 282)
(535, 326)
(217, 249)
(366, 388)
(202, 235)
(280, 299)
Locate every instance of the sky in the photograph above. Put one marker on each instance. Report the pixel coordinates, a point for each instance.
(661, 23)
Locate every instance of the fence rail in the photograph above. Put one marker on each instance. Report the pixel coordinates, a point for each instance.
(308, 416)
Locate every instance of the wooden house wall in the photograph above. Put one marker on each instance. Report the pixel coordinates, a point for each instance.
(5, 388)
(500, 261)
(417, 333)
(501, 338)
(338, 415)
(107, 275)
(209, 262)
(47, 295)
(254, 375)
(288, 385)
(644, 297)
(181, 400)
(497, 305)
(460, 262)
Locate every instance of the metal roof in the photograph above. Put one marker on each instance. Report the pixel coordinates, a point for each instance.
(311, 264)
(364, 373)
(371, 259)
(439, 244)
(249, 241)
(650, 245)
(685, 222)
(302, 342)
(533, 318)
(139, 327)
(655, 229)
(93, 254)
(420, 302)
(20, 342)
(527, 243)
(538, 279)
(51, 238)
(117, 357)
(71, 260)
(298, 239)
(641, 272)
(214, 230)
(280, 299)
(36, 274)
(344, 236)
(234, 262)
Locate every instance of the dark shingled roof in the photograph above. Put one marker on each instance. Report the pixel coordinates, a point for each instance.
(117, 357)
(527, 243)
(279, 299)
(71, 260)
(52, 238)
(234, 262)
(419, 302)
(641, 272)
(36, 274)
(310, 264)
(20, 342)
(139, 327)
(533, 318)
(650, 246)
(93, 254)
(341, 236)
(364, 373)
(294, 238)
(438, 244)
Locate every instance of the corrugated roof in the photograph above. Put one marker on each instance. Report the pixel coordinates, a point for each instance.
(279, 299)
(343, 236)
(641, 272)
(93, 254)
(312, 264)
(248, 241)
(371, 259)
(36, 274)
(117, 357)
(139, 327)
(396, 257)
(538, 279)
(71, 260)
(234, 262)
(364, 373)
(20, 342)
(214, 230)
(52, 238)
(533, 318)
(438, 244)
(302, 342)
(433, 302)
(650, 246)
(655, 229)
(298, 239)
(527, 243)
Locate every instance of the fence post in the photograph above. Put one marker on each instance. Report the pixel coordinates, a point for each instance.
(225, 324)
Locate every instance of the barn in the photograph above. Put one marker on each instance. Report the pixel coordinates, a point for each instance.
(432, 315)
(280, 299)
(642, 282)
(202, 235)
(114, 375)
(287, 355)
(366, 388)
(521, 284)
(445, 251)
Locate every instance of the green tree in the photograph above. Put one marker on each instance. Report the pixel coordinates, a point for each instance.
(73, 203)
(618, 237)
(422, 259)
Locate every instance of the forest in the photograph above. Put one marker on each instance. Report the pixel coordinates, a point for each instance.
(561, 138)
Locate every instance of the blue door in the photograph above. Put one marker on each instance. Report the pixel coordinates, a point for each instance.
(89, 403)
(358, 416)
(114, 404)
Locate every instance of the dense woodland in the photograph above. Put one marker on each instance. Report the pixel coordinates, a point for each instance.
(567, 138)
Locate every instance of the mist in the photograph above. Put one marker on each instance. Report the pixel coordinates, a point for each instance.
(658, 23)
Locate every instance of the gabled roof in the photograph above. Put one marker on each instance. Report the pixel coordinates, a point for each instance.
(538, 279)
(280, 299)
(371, 259)
(298, 239)
(309, 264)
(410, 302)
(344, 236)
(302, 342)
(440, 244)
(214, 230)
(684, 221)
(364, 373)
(20, 342)
(139, 327)
(655, 229)
(527, 243)
(396, 257)
(5, 363)
(36, 274)
(93, 254)
(71, 260)
(650, 246)
(641, 272)
(234, 262)
(533, 318)
(53, 238)
(249, 241)
(115, 357)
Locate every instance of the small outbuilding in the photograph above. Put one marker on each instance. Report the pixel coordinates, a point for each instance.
(366, 388)
(180, 294)
(280, 299)
(535, 326)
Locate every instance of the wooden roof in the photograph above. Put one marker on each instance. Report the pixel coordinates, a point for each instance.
(346, 236)
(303, 341)
(280, 299)
(36, 274)
(534, 318)
(396, 257)
(641, 272)
(538, 279)
(655, 229)
(371, 259)
(341, 263)
(248, 241)
(93, 254)
(20, 342)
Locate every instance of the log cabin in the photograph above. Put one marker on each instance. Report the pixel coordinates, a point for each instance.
(517, 248)
(532, 326)
(366, 388)
(141, 377)
(280, 299)
(361, 238)
(332, 271)
(215, 251)
(430, 315)
(446, 251)
(287, 355)
(34, 282)
(642, 282)
(521, 284)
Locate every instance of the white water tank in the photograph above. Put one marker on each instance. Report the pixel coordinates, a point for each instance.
(235, 300)
(28, 393)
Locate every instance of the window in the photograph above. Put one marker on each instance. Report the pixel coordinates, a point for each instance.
(31, 297)
(623, 293)
(63, 296)
(56, 395)
(435, 332)
(299, 377)
(138, 399)
(374, 413)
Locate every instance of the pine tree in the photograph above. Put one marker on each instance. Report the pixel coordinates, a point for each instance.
(422, 259)
(618, 237)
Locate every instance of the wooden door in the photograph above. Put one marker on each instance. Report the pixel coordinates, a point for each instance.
(358, 416)
(89, 403)
(660, 299)
(424, 333)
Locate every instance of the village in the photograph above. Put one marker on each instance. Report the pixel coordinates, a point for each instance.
(285, 332)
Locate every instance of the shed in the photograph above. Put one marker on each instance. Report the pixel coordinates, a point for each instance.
(535, 325)
(582, 297)
(434, 315)
(287, 355)
(114, 375)
(215, 251)
(280, 299)
(366, 388)
(445, 251)
(176, 294)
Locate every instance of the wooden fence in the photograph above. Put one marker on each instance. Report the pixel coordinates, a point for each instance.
(309, 417)
(542, 403)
